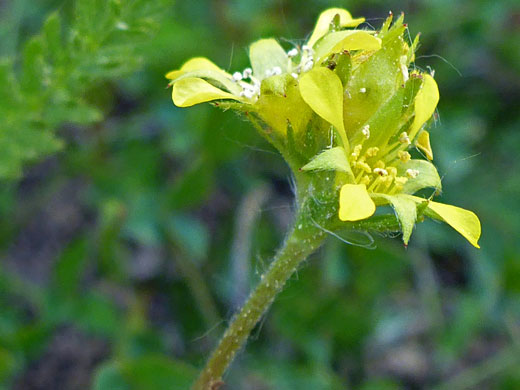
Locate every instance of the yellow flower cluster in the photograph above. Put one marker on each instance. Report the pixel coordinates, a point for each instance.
(364, 90)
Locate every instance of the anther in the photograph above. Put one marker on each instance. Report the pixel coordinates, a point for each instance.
(373, 151)
(248, 72)
(363, 166)
(366, 131)
(292, 53)
(362, 90)
(401, 180)
(404, 72)
(237, 76)
(248, 93)
(356, 152)
(379, 164)
(294, 75)
(412, 173)
(308, 65)
(392, 171)
(277, 71)
(381, 171)
(404, 139)
(404, 156)
(365, 180)
(308, 49)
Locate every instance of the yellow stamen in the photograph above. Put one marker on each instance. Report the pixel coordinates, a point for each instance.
(392, 171)
(404, 156)
(412, 173)
(379, 164)
(372, 152)
(404, 139)
(356, 152)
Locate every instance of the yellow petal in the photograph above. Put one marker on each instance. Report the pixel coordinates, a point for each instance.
(190, 91)
(463, 221)
(326, 17)
(423, 143)
(425, 103)
(266, 54)
(322, 90)
(193, 64)
(336, 42)
(355, 203)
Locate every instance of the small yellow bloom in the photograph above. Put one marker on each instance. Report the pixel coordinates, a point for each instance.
(346, 101)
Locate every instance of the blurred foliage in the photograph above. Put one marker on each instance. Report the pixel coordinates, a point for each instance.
(49, 84)
(116, 250)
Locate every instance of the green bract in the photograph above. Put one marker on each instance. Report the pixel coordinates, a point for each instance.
(344, 109)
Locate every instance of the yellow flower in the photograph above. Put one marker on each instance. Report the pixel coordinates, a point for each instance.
(348, 101)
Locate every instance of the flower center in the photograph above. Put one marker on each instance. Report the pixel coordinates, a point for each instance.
(369, 168)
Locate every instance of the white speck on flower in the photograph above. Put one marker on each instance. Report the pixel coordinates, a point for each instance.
(308, 65)
(412, 173)
(404, 139)
(362, 90)
(277, 70)
(381, 171)
(237, 76)
(268, 73)
(366, 131)
(292, 53)
(247, 73)
(404, 72)
(248, 93)
(308, 49)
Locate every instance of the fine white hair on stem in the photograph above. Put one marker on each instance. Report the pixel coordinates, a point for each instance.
(369, 245)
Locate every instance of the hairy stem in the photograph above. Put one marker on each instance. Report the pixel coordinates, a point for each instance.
(304, 239)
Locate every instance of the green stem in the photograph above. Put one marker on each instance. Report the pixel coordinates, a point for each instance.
(304, 239)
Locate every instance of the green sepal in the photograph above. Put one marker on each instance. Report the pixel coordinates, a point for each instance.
(264, 55)
(405, 208)
(330, 159)
(428, 176)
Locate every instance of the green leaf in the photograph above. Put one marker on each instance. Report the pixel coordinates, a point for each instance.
(52, 37)
(20, 146)
(330, 159)
(58, 66)
(158, 373)
(109, 377)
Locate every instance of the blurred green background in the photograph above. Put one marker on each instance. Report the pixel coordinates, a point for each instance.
(131, 230)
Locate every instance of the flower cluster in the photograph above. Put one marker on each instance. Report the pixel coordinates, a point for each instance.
(348, 101)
